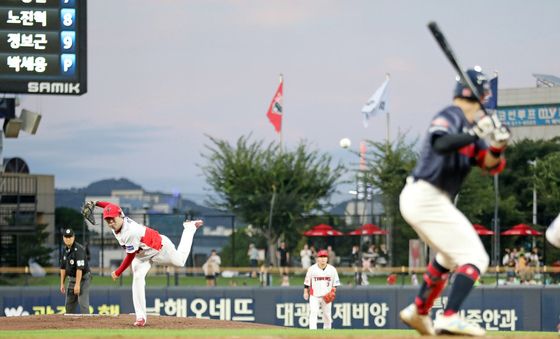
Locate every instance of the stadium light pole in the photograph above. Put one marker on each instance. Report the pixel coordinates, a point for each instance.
(533, 164)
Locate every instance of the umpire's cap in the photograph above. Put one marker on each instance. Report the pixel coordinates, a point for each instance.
(68, 233)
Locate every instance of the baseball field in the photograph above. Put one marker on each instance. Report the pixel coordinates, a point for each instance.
(172, 327)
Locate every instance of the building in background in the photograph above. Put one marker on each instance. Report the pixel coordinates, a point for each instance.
(26, 200)
(532, 113)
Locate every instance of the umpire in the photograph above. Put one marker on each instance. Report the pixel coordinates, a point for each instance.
(74, 264)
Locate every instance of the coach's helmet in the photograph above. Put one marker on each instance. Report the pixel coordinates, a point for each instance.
(480, 82)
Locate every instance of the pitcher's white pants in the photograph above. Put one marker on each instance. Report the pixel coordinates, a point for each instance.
(553, 232)
(168, 255)
(439, 223)
(316, 303)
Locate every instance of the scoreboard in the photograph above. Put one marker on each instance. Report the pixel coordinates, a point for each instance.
(43, 47)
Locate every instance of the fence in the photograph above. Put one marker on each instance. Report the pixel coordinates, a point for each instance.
(495, 309)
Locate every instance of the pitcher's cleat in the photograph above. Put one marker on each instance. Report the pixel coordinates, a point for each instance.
(421, 323)
(140, 322)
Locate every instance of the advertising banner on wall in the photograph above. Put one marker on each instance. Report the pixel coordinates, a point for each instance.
(494, 308)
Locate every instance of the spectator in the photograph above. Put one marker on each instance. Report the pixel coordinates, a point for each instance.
(356, 264)
(283, 257)
(285, 280)
(414, 279)
(534, 258)
(368, 258)
(313, 254)
(264, 277)
(506, 257)
(373, 254)
(382, 256)
(332, 255)
(211, 268)
(305, 255)
(521, 268)
(253, 254)
(509, 262)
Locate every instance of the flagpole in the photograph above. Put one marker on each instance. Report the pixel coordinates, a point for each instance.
(388, 76)
(283, 105)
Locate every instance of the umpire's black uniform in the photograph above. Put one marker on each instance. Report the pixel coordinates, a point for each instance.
(74, 259)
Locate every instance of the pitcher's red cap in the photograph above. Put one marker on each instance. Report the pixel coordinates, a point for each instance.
(111, 211)
(323, 253)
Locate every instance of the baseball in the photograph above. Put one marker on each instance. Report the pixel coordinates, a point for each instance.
(345, 142)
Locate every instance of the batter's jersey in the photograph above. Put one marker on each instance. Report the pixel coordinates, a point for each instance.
(321, 281)
(134, 237)
(448, 171)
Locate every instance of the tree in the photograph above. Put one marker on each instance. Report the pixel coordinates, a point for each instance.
(32, 246)
(388, 166)
(519, 176)
(268, 187)
(68, 218)
(242, 240)
(517, 184)
(477, 199)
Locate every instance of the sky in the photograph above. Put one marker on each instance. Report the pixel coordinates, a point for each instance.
(165, 75)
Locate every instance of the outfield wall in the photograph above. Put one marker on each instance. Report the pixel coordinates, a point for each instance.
(504, 308)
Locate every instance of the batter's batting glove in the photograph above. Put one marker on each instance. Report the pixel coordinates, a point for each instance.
(486, 125)
(329, 297)
(500, 138)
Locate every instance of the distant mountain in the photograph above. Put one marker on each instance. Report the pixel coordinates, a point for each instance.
(74, 197)
(104, 187)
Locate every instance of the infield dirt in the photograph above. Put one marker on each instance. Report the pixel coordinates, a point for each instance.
(41, 322)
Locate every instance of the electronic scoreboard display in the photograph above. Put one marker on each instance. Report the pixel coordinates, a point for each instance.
(43, 47)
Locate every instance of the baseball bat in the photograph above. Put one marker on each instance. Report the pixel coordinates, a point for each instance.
(446, 48)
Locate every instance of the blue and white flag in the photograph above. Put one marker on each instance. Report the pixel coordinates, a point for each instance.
(377, 103)
(492, 102)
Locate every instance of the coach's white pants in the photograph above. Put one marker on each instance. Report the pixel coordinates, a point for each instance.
(168, 255)
(439, 223)
(316, 303)
(553, 232)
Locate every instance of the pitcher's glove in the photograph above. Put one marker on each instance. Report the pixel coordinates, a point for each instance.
(329, 297)
(87, 211)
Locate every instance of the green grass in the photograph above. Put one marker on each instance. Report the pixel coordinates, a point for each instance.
(284, 332)
(162, 280)
(190, 280)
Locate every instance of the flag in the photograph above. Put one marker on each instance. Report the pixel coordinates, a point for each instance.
(377, 103)
(274, 113)
(492, 102)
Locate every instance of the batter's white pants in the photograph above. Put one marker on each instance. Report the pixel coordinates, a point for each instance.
(439, 223)
(316, 303)
(553, 232)
(168, 255)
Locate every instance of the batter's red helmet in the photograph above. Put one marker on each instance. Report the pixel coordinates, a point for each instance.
(323, 253)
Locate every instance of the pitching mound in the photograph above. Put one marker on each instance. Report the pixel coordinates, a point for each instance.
(40, 322)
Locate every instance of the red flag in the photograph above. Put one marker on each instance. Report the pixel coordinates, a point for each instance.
(274, 113)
